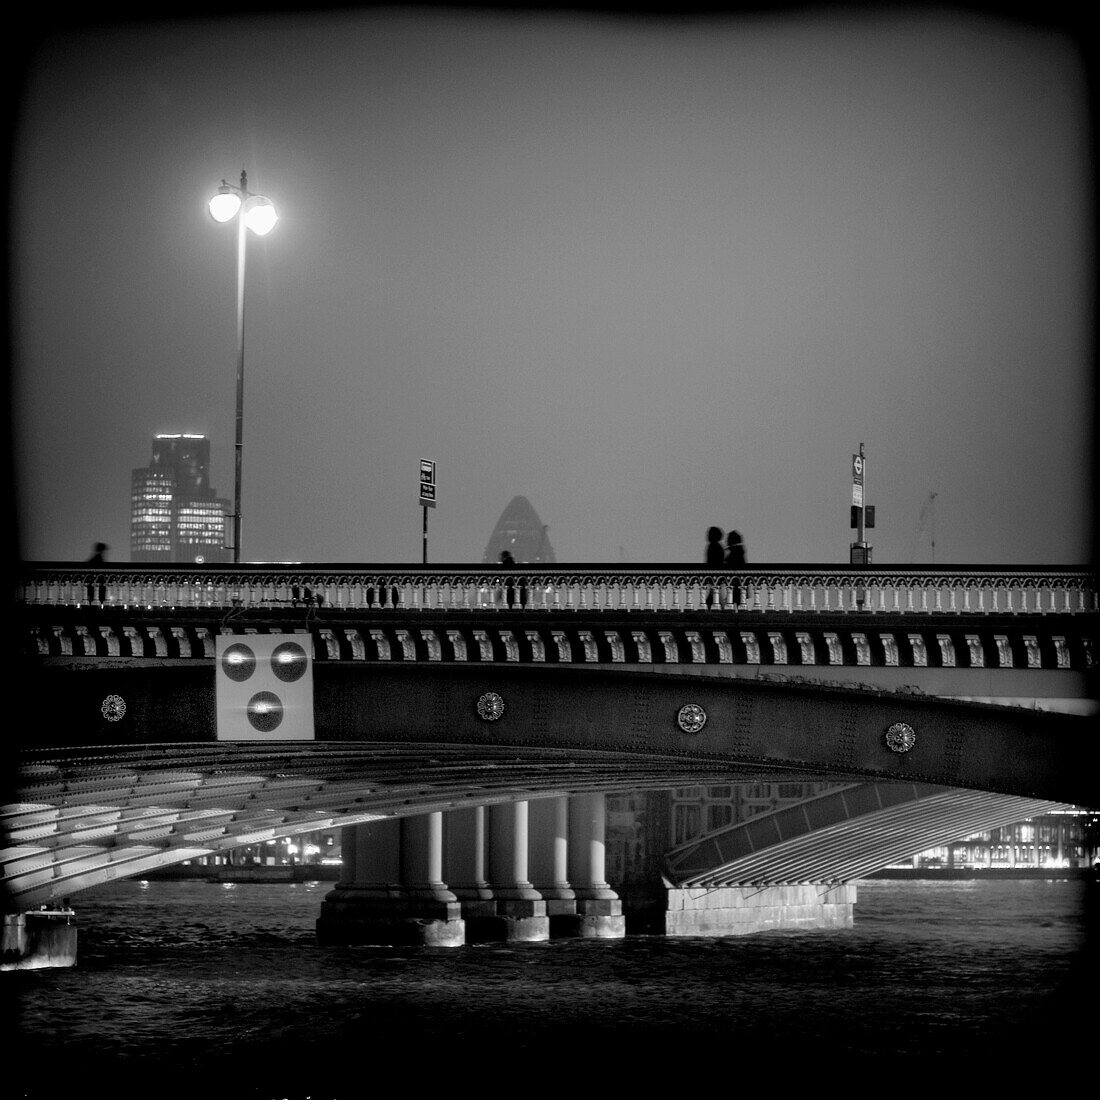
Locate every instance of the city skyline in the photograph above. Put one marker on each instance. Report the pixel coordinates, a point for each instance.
(650, 275)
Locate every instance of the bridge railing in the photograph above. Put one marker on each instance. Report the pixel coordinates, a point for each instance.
(763, 588)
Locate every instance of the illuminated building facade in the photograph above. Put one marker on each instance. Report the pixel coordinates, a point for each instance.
(174, 513)
(1064, 838)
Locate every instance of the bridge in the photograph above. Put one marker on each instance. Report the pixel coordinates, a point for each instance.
(464, 725)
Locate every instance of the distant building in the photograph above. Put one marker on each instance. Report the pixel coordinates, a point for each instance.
(520, 531)
(1063, 838)
(174, 513)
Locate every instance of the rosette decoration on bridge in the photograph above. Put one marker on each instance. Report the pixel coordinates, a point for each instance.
(264, 687)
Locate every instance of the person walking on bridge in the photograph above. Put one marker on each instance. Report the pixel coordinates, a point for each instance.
(735, 559)
(713, 559)
(508, 562)
(99, 555)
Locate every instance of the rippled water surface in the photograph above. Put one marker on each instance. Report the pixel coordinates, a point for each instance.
(206, 990)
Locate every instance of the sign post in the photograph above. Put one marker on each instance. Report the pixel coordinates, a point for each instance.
(427, 496)
(862, 515)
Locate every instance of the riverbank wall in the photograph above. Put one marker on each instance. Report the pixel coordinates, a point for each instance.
(247, 872)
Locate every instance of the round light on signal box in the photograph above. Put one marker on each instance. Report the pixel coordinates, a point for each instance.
(265, 711)
(239, 662)
(289, 662)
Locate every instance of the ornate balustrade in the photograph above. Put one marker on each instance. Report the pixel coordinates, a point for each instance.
(949, 590)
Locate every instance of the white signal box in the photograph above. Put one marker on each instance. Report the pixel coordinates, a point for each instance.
(264, 687)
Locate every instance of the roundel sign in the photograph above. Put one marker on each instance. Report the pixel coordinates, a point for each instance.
(264, 687)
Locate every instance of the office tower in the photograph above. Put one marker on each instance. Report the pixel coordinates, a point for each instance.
(520, 531)
(174, 513)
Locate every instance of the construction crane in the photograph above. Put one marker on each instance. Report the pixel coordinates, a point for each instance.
(927, 518)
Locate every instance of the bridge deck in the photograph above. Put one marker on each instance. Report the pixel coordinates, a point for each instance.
(582, 672)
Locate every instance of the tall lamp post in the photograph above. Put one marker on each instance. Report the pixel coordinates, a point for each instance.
(255, 212)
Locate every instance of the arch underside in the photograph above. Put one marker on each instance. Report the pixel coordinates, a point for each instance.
(84, 818)
(844, 834)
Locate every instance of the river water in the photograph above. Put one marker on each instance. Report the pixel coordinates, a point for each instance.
(209, 990)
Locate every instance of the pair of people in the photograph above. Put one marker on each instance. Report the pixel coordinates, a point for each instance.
(731, 556)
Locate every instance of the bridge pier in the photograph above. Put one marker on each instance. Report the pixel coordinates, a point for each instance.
(465, 846)
(391, 890)
(392, 887)
(38, 939)
(741, 910)
(520, 907)
(549, 856)
(599, 909)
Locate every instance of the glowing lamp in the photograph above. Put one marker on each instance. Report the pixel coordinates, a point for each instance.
(260, 216)
(225, 204)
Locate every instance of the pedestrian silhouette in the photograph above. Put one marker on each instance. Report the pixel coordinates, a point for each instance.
(99, 552)
(715, 555)
(508, 562)
(714, 558)
(735, 559)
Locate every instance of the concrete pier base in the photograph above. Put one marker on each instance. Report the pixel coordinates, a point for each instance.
(354, 916)
(37, 939)
(522, 921)
(562, 913)
(742, 910)
(525, 929)
(478, 908)
(482, 923)
(600, 919)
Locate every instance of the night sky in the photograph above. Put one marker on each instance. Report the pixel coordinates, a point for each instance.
(651, 274)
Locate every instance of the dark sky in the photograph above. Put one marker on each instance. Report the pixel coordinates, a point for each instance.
(651, 274)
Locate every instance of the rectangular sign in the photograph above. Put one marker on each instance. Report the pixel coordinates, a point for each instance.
(427, 483)
(264, 687)
(857, 495)
(858, 465)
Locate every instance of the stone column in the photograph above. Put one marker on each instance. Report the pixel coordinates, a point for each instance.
(464, 848)
(519, 904)
(391, 889)
(371, 858)
(599, 909)
(422, 858)
(549, 859)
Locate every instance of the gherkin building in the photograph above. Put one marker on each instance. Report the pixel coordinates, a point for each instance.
(520, 531)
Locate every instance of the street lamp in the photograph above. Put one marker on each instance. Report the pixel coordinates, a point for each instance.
(255, 212)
